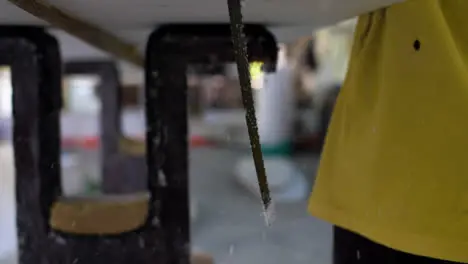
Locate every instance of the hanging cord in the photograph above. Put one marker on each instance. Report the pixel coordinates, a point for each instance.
(240, 50)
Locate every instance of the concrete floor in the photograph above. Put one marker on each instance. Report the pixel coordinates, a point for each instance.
(231, 226)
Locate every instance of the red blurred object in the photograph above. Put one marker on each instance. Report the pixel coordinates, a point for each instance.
(307, 143)
(91, 143)
(200, 141)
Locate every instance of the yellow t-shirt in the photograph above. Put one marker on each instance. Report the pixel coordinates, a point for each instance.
(395, 164)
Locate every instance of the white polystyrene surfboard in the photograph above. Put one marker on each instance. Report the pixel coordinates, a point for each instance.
(139, 16)
(337, 10)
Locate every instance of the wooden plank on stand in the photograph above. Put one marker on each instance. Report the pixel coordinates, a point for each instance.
(85, 31)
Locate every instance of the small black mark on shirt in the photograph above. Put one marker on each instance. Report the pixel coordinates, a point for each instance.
(417, 45)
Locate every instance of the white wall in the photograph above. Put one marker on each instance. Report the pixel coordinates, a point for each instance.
(8, 237)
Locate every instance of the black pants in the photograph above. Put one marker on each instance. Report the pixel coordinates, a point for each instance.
(351, 248)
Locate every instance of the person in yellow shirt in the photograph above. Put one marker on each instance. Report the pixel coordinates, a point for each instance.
(394, 172)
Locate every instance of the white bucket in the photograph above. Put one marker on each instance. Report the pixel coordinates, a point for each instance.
(275, 108)
(73, 180)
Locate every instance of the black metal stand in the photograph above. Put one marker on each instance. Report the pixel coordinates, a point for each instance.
(34, 59)
(170, 49)
(167, 147)
(36, 69)
(34, 62)
(109, 93)
(121, 173)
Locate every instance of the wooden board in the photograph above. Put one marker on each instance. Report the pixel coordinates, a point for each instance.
(100, 215)
(201, 258)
